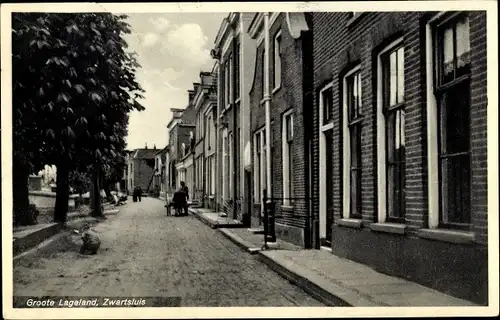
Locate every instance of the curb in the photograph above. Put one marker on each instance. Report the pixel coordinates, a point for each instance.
(302, 282)
(31, 240)
(203, 219)
(330, 293)
(240, 242)
(213, 224)
(76, 223)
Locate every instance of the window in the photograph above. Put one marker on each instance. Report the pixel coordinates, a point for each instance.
(287, 140)
(209, 132)
(226, 84)
(237, 70)
(352, 142)
(327, 104)
(277, 60)
(392, 81)
(453, 108)
(230, 165)
(257, 168)
(230, 80)
(264, 163)
(262, 74)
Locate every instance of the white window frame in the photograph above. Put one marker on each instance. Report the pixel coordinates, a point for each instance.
(346, 142)
(230, 138)
(286, 156)
(224, 164)
(261, 166)
(231, 76)
(256, 171)
(322, 160)
(277, 58)
(381, 135)
(433, 118)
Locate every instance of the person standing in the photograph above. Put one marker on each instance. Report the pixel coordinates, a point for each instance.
(185, 190)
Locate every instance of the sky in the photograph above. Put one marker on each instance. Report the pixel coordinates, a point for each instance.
(172, 49)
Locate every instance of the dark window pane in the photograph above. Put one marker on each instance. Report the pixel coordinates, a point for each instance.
(355, 146)
(327, 105)
(455, 189)
(455, 114)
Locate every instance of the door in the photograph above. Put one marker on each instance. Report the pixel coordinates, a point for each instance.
(329, 186)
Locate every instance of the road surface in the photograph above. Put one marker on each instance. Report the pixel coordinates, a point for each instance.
(146, 253)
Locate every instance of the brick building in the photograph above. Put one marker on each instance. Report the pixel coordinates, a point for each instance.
(159, 172)
(282, 90)
(399, 153)
(180, 128)
(204, 101)
(235, 64)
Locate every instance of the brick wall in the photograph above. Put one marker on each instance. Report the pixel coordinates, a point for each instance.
(363, 40)
(293, 94)
(338, 46)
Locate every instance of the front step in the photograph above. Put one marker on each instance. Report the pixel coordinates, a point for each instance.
(256, 230)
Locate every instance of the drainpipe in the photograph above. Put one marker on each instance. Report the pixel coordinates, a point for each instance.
(217, 133)
(267, 101)
(233, 98)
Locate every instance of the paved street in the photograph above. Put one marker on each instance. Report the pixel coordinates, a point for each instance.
(146, 253)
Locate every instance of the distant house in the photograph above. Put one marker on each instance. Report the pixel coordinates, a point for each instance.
(160, 172)
(141, 165)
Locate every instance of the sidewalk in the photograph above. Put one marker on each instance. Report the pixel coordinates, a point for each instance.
(336, 281)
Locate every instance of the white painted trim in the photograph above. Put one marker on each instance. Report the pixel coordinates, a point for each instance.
(224, 164)
(262, 166)
(227, 44)
(346, 177)
(254, 28)
(260, 38)
(322, 165)
(381, 137)
(287, 153)
(256, 170)
(432, 129)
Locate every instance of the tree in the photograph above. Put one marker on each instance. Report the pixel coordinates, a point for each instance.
(82, 88)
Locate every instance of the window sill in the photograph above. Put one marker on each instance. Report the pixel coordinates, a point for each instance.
(262, 101)
(350, 223)
(211, 197)
(396, 228)
(237, 101)
(278, 88)
(452, 236)
(287, 208)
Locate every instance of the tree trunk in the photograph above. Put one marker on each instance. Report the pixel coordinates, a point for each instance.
(62, 192)
(96, 192)
(20, 175)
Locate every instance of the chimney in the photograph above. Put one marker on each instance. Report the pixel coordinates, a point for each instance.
(146, 146)
(154, 146)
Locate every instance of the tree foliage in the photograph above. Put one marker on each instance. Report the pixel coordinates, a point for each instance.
(74, 85)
